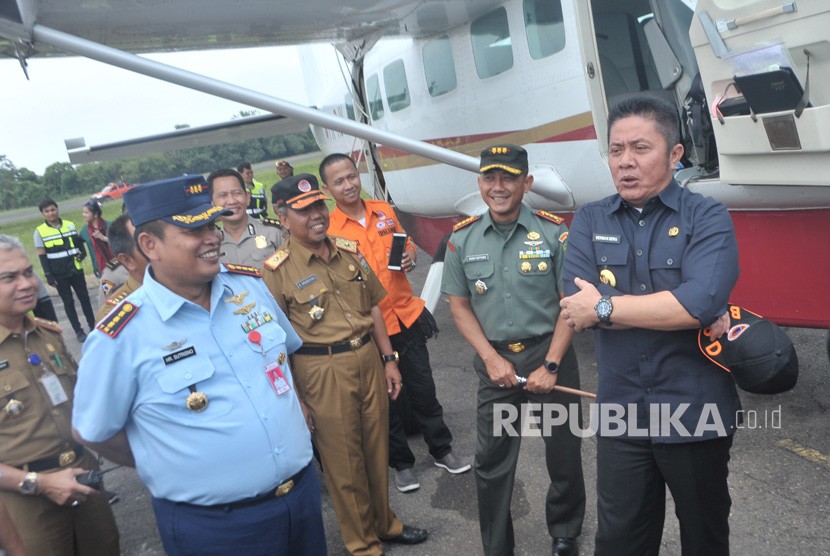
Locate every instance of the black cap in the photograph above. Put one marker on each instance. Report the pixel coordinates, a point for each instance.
(758, 353)
(510, 158)
(182, 201)
(297, 191)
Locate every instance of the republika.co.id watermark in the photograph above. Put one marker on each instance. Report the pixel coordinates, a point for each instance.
(611, 419)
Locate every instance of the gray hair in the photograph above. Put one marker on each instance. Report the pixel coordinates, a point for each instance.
(8, 243)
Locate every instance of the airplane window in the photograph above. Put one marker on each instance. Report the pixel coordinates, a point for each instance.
(397, 91)
(349, 106)
(439, 67)
(492, 47)
(545, 29)
(375, 100)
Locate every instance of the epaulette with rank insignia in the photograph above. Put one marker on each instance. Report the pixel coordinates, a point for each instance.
(466, 222)
(271, 222)
(274, 261)
(243, 269)
(113, 263)
(349, 245)
(115, 321)
(549, 216)
(48, 324)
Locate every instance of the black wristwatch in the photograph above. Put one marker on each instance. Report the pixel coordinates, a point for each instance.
(391, 357)
(604, 307)
(551, 366)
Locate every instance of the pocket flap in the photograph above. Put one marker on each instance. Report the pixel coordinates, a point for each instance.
(475, 270)
(11, 381)
(181, 374)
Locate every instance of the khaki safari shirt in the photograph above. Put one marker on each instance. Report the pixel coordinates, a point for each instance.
(40, 429)
(345, 289)
(513, 282)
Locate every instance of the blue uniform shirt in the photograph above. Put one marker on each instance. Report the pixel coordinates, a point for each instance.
(681, 242)
(246, 441)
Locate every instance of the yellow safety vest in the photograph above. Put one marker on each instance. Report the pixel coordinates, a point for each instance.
(59, 243)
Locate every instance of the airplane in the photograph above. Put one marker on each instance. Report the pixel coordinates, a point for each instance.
(420, 87)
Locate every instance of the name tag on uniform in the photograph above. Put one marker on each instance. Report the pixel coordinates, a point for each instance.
(606, 238)
(4, 364)
(179, 355)
(306, 281)
(477, 258)
(277, 378)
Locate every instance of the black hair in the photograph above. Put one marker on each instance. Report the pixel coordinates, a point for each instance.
(244, 166)
(120, 239)
(332, 159)
(153, 227)
(47, 202)
(663, 114)
(223, 173)
(94, 207)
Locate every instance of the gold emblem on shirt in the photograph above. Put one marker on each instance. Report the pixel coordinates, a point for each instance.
(197, 402)
(542, 266)
(533, 235)
(237, 299)
(607, 277)
(526, 266)
(245, 310)
(673, 231)
(481, 287)
(260, 242)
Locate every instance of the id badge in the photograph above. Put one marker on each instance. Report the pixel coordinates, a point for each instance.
(277, 378)
(53, 387)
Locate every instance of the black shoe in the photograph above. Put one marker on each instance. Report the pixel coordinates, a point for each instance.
(81, 336)
(410, 535)
(564, 546)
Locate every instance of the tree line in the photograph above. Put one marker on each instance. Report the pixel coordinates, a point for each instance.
(20, 187)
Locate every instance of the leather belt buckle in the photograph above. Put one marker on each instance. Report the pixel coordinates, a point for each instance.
(516, 347)
(356, 343)
(284, 488)
(67, 458)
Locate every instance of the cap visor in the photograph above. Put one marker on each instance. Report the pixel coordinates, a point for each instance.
(506, 168)
(199, 216)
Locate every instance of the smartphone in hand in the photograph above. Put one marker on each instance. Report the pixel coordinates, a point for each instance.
(396, 253)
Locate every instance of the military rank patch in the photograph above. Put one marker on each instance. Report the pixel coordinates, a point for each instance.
(48, 324)
(549, 216)
(274, 261)
(113, 263)
(271, 222)
(115, 321)
(243, 269)
(466, 222)
(346, 244)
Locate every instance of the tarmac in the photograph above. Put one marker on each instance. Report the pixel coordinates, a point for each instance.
(779, 471)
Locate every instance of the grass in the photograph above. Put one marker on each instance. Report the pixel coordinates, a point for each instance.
(24, 229)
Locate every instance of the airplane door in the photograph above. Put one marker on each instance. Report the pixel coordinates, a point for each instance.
(765, 66)
(592, 71)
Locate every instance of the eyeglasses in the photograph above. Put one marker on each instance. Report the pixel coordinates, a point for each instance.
(237, 194)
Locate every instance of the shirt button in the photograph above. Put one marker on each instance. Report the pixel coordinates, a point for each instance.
(56, 412)
(506, 268)
(507, 295)
(510, 323)
(348, 315)
(7, 387)
(642, 223)
(642, 287)
(670, 261)
(644, 358)
(639, 252)
(188, 376)
(336, 292)
(648, 390)
(604, 258)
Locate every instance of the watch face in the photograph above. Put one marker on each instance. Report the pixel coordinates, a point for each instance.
(603, 309)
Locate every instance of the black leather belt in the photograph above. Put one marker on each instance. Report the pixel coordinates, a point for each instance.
(281, 490)
(65, 458)
(517, 346)
(335, 348)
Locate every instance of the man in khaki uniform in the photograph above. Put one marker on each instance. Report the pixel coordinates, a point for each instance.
(121, 240)
(54, 514)
(246, 240)
(331, 296)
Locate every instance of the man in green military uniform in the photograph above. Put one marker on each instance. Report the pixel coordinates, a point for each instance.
(503, 278)
(39, 460)
(258, 202)
(245, 240)
(346, 369)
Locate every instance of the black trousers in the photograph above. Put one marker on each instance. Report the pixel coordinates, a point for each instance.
(497, 451)
(75, 281)
(416, 372)
(631, 495)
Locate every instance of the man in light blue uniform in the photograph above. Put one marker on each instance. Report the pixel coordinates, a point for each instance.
(188, 380)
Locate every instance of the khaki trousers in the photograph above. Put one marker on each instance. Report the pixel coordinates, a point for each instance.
(347, 398)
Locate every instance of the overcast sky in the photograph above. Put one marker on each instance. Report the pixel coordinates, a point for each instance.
(75, 97)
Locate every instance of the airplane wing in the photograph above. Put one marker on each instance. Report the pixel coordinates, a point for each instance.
(252, 127)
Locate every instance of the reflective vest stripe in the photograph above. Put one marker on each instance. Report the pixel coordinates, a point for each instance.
(62, 254)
